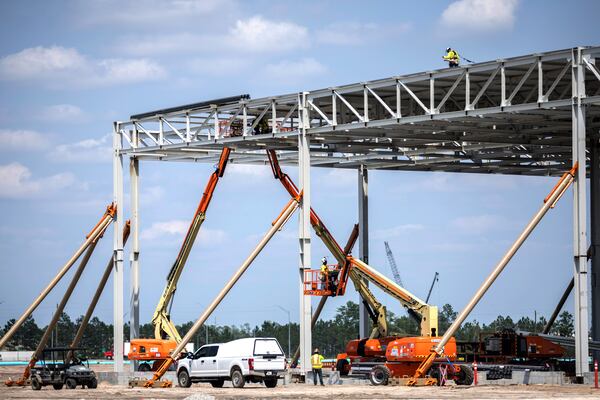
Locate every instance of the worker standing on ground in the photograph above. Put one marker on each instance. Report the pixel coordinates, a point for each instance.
(316, 361)
(324, 275)
(452, 58)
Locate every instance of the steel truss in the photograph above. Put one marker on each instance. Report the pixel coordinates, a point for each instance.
(529, 115)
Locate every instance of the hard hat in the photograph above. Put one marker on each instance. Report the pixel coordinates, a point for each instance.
(448, 49)
(324, 260)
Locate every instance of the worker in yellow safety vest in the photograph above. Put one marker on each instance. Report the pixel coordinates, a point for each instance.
(452, 58)
(316, 360)
(324, 274)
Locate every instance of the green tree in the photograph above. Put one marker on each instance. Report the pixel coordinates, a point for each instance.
(564, 325)
(446, 317)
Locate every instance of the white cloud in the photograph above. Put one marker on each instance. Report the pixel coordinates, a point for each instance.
(175, 230)
(396, 231)
(480, 15)
(16, 182)
(355, 34)
(294, 70)
(339, 178)
(247, 171)
(11, 140)
(60, 67)
(84, 151)
(63, 113)
(259, 34)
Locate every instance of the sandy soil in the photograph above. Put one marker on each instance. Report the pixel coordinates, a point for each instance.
(300, 391)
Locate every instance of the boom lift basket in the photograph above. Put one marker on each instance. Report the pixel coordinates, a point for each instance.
(317, 284)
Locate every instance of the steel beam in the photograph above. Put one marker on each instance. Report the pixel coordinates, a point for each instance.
(363, 243)
(595, 236)
(118, 250)
(579, 219)
(134, 300)
(304, 237)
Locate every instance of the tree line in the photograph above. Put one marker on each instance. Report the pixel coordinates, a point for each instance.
(330, 336)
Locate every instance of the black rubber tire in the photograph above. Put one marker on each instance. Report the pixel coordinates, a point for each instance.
(465, 376)
(237, 379)
(270, 382)
(93, 383)
(218, 383)
(183, 379)
(144, 367)
(35, 384)
(57, 386)
(343, 367)
(71, 383)
(379, 375)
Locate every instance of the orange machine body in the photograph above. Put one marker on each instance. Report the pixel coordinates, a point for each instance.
(151, 349)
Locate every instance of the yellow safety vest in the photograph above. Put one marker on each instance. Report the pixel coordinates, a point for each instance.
(317, 361)
(452, 55)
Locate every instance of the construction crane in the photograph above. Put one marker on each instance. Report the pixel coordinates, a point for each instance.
(393, 266)
(166, 336)
(435, 279)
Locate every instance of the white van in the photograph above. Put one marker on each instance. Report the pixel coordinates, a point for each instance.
(238, 361)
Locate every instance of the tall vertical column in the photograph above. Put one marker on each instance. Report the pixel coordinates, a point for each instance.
(134, 301)
(118, 250)
(579, 219)
(363, 241)
(304, 235)
(595, 236)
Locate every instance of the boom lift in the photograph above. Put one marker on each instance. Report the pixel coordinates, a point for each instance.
(277, 225)
(166, 336)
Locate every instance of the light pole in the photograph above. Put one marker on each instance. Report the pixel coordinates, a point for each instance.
(289, 330)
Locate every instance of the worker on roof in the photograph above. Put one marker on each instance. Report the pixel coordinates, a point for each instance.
(316, 360)
(324, 274)
(452, 58)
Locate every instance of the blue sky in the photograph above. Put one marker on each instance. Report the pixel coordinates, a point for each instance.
(70, 68)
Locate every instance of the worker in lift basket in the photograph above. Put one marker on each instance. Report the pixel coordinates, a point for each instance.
(316, 360)
(452, 58)
(324, 274)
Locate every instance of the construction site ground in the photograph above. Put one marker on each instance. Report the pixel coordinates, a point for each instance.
(298, 391)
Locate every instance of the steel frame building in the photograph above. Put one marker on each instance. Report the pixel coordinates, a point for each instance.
(529, 115)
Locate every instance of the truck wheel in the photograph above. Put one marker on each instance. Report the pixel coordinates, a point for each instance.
(57, 386)
(465, 376)
(379, 375)
(237, 379)
(144, 367)
(218, 383)
(71, 383)
(183, 379)
(343, 367)
(35, 383)
(93, 383)
(271, 382)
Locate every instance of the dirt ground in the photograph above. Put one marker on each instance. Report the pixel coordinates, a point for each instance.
(297, 391)
(300, 391)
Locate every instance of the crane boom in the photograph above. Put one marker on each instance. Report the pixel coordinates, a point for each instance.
(163, 327)
(435, 279)
(393, 266)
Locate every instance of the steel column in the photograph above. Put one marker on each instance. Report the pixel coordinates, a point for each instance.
(118, 250)
(304, 236)
(363, 242)
(595, 236)
(579, 218)
(134, 301)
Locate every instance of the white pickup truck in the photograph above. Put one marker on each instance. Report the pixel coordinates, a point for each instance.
(238, 361)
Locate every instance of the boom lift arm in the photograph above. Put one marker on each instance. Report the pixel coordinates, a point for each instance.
(163, 327)
(277, 225)
(359, 277)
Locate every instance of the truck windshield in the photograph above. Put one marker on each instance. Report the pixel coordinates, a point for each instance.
(267, 347)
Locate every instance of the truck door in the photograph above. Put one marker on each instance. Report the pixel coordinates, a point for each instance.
(268, 356)
(198, 361)
(210, 368)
